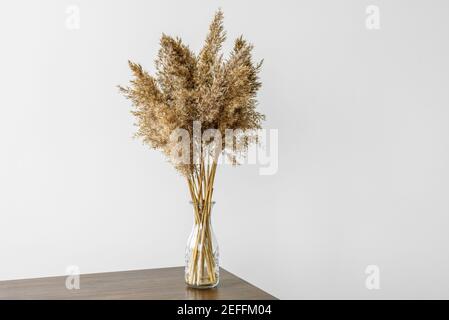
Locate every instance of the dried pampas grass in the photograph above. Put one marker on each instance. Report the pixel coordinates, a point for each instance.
(219, 93)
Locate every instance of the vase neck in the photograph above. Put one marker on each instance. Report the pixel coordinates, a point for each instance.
(203, 212)
(203, 203)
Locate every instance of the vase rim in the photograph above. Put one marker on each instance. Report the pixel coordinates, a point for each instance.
(191, 202)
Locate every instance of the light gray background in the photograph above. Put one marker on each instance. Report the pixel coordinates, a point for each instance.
(363, 153)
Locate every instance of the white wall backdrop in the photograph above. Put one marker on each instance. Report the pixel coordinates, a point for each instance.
(363, 146)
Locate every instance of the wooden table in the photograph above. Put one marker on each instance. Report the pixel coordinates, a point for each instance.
(162, 284)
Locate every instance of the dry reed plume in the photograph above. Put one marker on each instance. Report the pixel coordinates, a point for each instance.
(218, 92)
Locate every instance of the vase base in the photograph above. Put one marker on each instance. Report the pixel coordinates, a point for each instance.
(204, 286)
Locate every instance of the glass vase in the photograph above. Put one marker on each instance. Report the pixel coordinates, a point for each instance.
(202, 268)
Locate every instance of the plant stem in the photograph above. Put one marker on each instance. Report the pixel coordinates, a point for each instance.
(201, 268)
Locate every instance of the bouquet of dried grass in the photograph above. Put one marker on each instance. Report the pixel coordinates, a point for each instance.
(194, 95)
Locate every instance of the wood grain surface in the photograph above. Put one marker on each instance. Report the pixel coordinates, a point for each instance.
(161, 284)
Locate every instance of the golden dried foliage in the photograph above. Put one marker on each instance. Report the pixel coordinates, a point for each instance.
(186, 89)
(220, 93)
